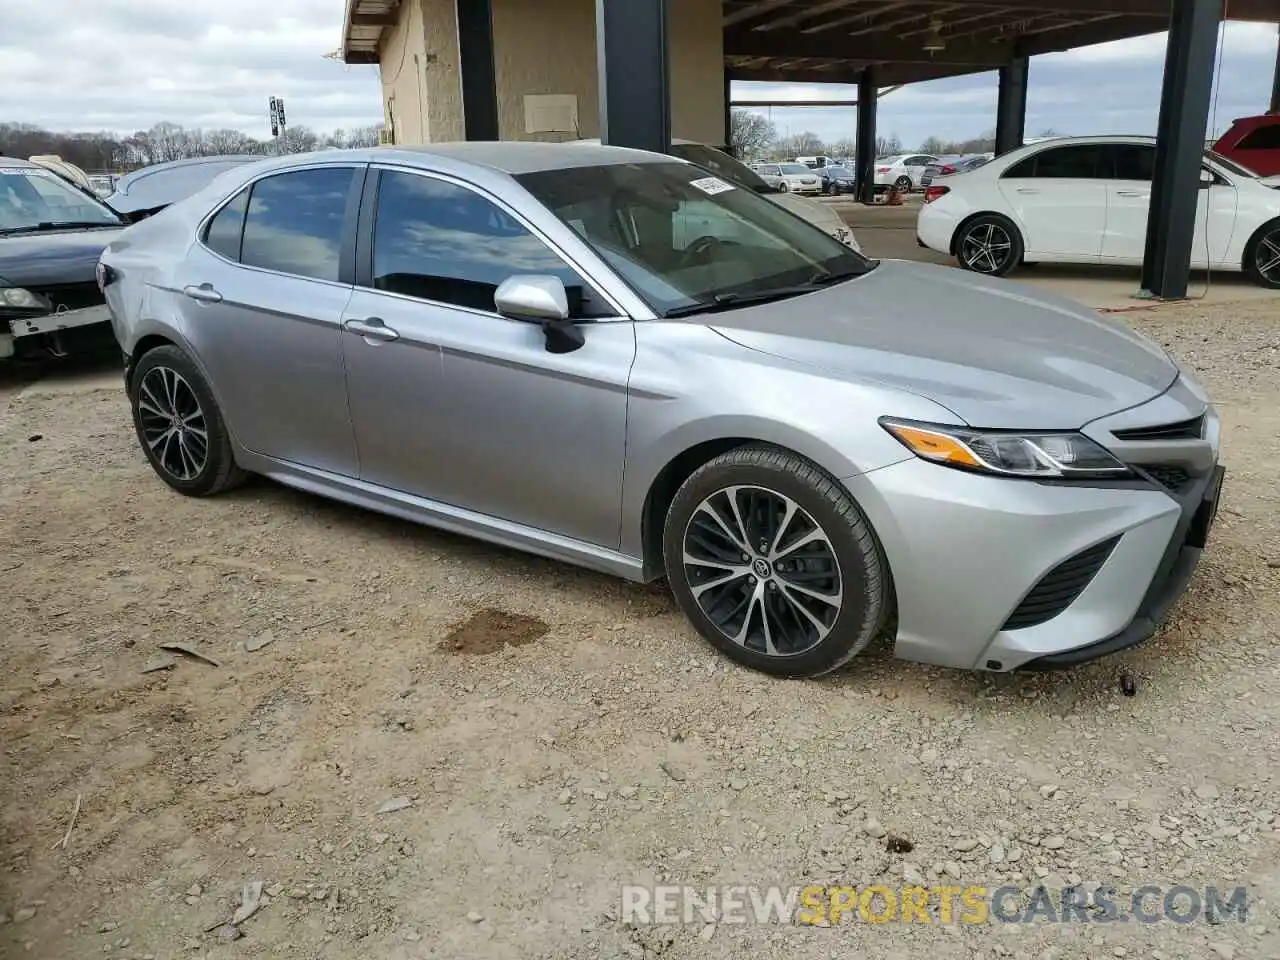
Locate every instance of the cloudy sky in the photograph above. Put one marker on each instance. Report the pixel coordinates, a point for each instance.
(122, 65)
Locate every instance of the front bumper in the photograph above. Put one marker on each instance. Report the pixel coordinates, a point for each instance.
(55, 322)
(967, 552)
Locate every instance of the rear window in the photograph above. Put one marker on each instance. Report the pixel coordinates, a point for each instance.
(1261, 138)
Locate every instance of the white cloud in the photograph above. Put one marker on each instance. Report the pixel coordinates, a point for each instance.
(124, 65)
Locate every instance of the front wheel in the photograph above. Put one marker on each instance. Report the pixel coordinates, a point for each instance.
(990, 245)
(179, 425)
(784, 187)
(774, 564)
(1262, 256)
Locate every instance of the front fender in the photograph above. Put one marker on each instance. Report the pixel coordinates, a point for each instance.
(690, 386)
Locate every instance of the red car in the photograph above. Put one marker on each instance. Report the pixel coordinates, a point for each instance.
(1253, 142)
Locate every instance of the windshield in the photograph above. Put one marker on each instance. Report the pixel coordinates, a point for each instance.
(838, 172)
(794, 168)
(32, 199)
(684, 240)
(717, 161)
(1230, 165)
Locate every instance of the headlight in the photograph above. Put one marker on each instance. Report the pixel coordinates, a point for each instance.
(23, 299)
(1040, 455)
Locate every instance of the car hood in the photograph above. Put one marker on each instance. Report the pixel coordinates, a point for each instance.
(62, 256)
(996, 354)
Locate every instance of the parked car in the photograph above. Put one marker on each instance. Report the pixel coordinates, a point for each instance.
(734, 170)
(1254, 143)
(790, 177)
(103, 185)
(1085, 200)
(51, 236)
(949, 166)
(811, 446)
(836, 180)
(146, 192)
(904, 172)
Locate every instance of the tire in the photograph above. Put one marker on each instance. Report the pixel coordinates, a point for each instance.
(164, 379)
(784, 187)
(843, 561)
(902, 184)
(989, 244)
(1262, 251)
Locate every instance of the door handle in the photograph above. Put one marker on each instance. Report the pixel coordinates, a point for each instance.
(371, 328)
(204, 293)
(1027, 190)
(1131, 193)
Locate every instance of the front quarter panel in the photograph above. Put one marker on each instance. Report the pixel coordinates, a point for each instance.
(690, 386)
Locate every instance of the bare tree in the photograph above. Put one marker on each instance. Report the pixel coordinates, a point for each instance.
(888, 146)
(750, 134)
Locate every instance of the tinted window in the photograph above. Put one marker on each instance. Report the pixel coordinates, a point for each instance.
(225, 229)
(439, 241)
(1134, 162)
(294, 223)
(1263, 138)
(1081, 162)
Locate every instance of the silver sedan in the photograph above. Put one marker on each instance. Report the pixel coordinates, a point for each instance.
(619, 360)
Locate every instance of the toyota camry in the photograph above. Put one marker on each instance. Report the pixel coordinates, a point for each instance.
(616, 359)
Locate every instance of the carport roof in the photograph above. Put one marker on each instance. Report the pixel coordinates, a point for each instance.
(834, 40)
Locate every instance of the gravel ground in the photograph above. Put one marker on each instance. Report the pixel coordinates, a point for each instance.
(361, 667)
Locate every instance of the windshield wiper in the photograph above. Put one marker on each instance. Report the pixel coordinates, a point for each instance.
(732, 301)
(55, 225)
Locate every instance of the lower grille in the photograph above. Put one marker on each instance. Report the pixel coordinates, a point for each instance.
(1168, 476)
(1059, 588)
(71, 296)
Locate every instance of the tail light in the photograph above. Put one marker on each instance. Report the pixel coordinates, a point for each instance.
(883, 169)
(934, 193)
(104, 275)
(947, 170)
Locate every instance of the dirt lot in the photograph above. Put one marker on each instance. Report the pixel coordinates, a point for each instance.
(605, 746)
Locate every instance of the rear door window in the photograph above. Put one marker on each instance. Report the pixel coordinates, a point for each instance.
(1261, 138)
(294, 223)
(1081, 162)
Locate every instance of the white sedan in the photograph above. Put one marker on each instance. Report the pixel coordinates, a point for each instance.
(904, 173)
(1085, 200)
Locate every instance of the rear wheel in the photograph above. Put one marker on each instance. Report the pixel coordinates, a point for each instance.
(902, 184)
(990, 245)
(180, 426)
(774, 564)
(1262, 256)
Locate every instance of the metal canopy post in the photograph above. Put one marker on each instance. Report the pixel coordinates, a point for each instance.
(865, 156)
(1011, 105)
(631, 51)
(1180, 136)
(1275, 78)
(475, 62)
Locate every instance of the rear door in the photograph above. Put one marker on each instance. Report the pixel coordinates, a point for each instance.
(1059, 199)
(1129, 203)
(262, 298)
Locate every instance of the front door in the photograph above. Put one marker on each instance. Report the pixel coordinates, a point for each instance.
(1129, 205)
(456, 404)
(1060, 201)
(262, 298)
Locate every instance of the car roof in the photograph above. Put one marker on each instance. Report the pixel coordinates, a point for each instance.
(15, 162)
(516, 157)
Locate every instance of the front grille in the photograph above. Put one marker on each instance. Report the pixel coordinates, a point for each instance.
(1168, 476)
(1059, 588)
(1182, 430)
(71, 296)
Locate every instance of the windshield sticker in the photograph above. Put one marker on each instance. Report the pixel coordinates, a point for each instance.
(711, 185)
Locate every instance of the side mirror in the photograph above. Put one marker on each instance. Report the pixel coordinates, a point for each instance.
(541, 299)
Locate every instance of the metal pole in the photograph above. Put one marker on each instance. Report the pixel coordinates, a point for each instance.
(865, 155)
(1011, 105)
(631, 52)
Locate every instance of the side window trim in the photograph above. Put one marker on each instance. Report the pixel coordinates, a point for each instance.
(346, 253)
(368, 214)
